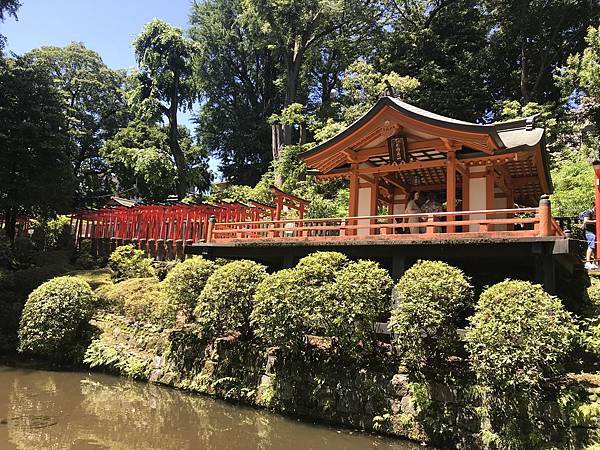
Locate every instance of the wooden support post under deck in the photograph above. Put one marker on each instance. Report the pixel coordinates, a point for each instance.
(545, 270)
(398, 267)
(451, 187)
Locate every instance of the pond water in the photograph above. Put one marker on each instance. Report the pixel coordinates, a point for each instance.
(70, 410)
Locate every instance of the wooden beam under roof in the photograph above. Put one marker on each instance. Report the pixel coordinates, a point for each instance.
(363, 154)
(539, 165)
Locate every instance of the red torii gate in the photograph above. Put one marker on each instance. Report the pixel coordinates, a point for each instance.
(291, 201)
(152, 227)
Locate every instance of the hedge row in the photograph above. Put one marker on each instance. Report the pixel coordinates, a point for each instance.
(518, 333)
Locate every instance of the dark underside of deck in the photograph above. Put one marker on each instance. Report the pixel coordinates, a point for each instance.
(486, 259)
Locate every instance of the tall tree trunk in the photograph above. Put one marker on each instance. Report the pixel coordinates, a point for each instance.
(10, 222)
(524, 74)
(293, 62)
(181, 184)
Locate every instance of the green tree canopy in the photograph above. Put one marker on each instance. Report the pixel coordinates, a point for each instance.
(237, 75)
(140, 157)
(296, 28)
(94, 106)
(35, 170)
(165, 84)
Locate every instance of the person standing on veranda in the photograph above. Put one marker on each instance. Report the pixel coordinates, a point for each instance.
(589, 226)
(412, 207)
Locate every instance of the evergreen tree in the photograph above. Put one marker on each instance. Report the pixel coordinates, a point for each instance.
(35, 172)
(236, 75)
(94, 106)
(165, 84)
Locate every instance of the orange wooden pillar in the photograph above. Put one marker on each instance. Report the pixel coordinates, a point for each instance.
(596, 166)
(451, 188)
(490, 193)
(353, 203)
(374, 199)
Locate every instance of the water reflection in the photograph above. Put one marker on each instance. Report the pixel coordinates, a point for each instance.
(58, 410)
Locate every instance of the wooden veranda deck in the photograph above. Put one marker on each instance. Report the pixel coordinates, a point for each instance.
(457, 225)
(526, 243)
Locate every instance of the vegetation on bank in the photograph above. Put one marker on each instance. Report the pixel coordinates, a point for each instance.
(510, 363)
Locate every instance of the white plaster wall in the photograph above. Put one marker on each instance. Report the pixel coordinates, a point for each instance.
(364, 209)
(477, 199)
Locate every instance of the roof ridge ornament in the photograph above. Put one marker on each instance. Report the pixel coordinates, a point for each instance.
(389, 90)
(530, 122)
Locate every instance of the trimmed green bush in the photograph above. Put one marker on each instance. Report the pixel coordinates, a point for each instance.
(593, 293)
(51, 234)
(429, 301)
(362, 295)
(279, 316)
(226, 301)
(54, 317)
(183, 285)
(518, 335)
(138, 299)
(314, 278)
(321, 267)
(324, 295)
(128, 262)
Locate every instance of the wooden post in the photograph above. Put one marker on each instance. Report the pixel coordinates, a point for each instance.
(169, 250)
(430, 229)
(465, 198)
(179, 249)
(211, 225)
(451, 188)
(489, 194)
(374, 198)
(545, 269)
(353, 206)
(160, 249)
(545, 216)
(398, 266)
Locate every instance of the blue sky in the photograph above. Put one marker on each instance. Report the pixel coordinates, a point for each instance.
(107, 26)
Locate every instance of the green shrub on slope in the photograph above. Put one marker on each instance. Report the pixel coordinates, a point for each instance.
(54, 317)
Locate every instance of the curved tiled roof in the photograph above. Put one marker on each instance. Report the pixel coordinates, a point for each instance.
(506, 135)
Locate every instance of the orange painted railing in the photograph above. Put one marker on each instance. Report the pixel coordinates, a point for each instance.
(521, 222)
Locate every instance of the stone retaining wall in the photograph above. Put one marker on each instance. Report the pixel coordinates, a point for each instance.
(322, 387)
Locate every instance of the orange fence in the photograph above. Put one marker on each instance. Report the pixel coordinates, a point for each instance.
(460, 224)
(143, 224)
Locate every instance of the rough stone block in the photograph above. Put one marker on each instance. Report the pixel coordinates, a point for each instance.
(155, 375)
(407, 405)
(444, 393)
(398, 386)
(270, 366)
(395, 405)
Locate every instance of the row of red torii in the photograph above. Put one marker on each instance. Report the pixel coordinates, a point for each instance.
(169, 228)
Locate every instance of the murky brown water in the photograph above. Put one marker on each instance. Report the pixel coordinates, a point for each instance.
(63, 410)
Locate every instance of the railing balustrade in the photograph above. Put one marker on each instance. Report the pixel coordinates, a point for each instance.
(494, 223)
